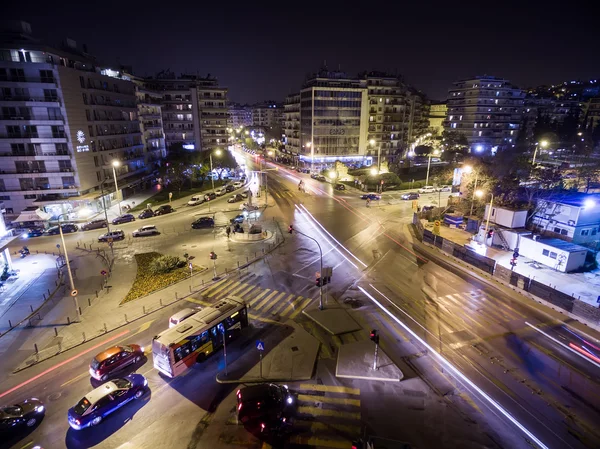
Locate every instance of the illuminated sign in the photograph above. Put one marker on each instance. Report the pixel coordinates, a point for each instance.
(80, 136)
(82, 148)
(189, 146)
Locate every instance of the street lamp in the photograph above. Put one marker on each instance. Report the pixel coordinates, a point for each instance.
(312, 156)
(116, 164)
(321, 264)
(212, 178)
(62, 239)
(429, 156)
(543, 144)
(468, 169)
(372, 142)
(480, 194)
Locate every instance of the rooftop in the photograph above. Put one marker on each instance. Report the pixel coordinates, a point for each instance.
(559, 244)
(578, 199)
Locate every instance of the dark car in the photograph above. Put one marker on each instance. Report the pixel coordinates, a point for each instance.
(32, 232)
(370, 196)
(410, 196)
(114, 359)
(314, 175)
(146, 213)
(203, 222)
(268, 406)
(427, 208)
(94, 224)
(107, 398)
(321, 178)
(164, 209)
(19, 417)
(229, 188)
(125, 218)
(210, 196)
(66, 228)
(340, 187)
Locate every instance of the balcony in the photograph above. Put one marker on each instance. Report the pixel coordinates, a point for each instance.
(27, 98)
(148, 126)
(36, 171)
(133, 146)
(155, 136)
(123, 133)
(27, 79)
(30, 117)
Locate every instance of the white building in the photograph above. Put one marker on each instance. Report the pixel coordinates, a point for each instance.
(558, 254)
(267, 115)
(240, 116)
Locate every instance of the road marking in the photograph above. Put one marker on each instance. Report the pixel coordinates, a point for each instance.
(263, 319)
(212, 288)
(319, 426)
(292, 306)
(316, 411)
(199, 302)
(239, 288)
(319, 442)
(75, 379)
(226, 289)
(267, 299)
(277, 301)
(26, 444)
(329, 388)
(257, 298)
(301, 308)
(143, 327)
(329, 400)
(247, 290)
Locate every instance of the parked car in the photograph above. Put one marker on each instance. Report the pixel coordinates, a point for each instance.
(410, 196)
(210, 196)
(32, 232)
(17, 418)
(163, 210)
(238, 184)
(101, 402)
(427, 207)
(146, 213)
(94, 224)
(144, 231)
(247, 206)
(427, 189)
(235, 198)
(371, 196)
(445, 189)
(182, 315)
(115, 359)
(239, 219)
(66, 228)
(125, 218)
(203, 222)
(196, 199)
(321, 178)
(340, 187)
(115, 234)
(229, 188)
(314, 175)
(269, 406)
(220, 191)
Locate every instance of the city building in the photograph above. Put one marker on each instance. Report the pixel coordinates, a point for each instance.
(239, 115)
(195, 111)
(437, 116)
(487, 111)
(291, 125)
(267, 115)
(65, 120)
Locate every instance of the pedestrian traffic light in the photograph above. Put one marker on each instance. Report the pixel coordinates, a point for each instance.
(516, 253)
(213, 255)
(319, 282)
(513, 261)
(490, 234)
(291, 229)
(374, 336)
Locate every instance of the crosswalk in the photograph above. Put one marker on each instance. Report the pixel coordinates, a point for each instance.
(263, 303)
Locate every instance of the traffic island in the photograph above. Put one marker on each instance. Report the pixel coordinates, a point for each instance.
(291, 359)
(246, 237)
(355, 361)
(333, 318)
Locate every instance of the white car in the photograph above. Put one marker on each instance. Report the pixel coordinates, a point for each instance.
(427, 189)
(145, 230)
(237, 184)
(196, 199)
(445, 189)
(247, 207)
(221, 191)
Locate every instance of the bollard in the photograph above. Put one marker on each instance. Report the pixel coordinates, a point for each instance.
(255, 254)
(238, 264)
(48, 292)
(144, 309)
(96, 293)
(160, 301)
(36, 251)
(84, 246)
(175, 295)
(68, 320)
(190, 289)
(126, 318)
(79, 310)
(203, 282)
(83, 335)
(263, 250)
(39, 316)
(246, 259)
(59, 347)
(105, 329)
(55, 332)
(89, 302)
(9, 324)
(44, 296)
(31, 307)
(36, 348)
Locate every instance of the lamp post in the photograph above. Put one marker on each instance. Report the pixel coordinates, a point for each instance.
(543, 144)
(372, 142)
(112, 251)
(480, 194)
(212, 179)
(62, 239)
(429, 156)
(116, 164)
(321, 266)
(312, 157)
(469, 169)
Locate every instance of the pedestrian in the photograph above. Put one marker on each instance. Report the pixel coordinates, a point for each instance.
(228, 231)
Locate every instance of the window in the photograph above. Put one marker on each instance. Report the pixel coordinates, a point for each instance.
(545, 252)
(553, 255)
(565, 232)
(557, 230)
(84, 96)
(585, 232)
(594, 231)
(82, 82)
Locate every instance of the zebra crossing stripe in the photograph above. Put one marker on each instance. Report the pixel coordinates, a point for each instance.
(214, 286)
(247, 290)
(224, 285)
(254, 300)
(299, 309)
(329, 388)
(278, 302)
(316, 411)
(268, 298)
(329, 400)
(238, 289)
(292, 306)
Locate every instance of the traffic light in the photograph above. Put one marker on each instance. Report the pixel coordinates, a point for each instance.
(357, 444)
(513, 261)
(213, 255)
(516, 253)
(319, 282)
(291, 229)
(374, 336)
(490, 234)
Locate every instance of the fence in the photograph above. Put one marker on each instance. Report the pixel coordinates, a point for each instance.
(549, 294)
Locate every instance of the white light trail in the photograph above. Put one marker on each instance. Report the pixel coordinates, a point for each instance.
(563, 345)
(457, 374)
(332, 237)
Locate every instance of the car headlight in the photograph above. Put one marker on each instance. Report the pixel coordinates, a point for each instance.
(39, 408)
(290, 400)
(145, 382)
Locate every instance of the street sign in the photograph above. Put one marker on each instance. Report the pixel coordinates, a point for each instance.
(436, 223)
(74, 292)
(327, 272)
(170, 195)
(260, 345)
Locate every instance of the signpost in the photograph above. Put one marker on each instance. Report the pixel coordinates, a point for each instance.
(74, 293)
(58, 246)
(260, 345)
(170, 196)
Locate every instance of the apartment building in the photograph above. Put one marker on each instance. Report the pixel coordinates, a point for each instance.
(267, 115)
(487, 111)
(291, 124)
(64, 120)
(240, 115)
(213, 113)
(437, 116)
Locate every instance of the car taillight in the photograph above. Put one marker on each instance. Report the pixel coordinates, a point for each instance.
(239, 406)
(77, 422)
(238, 394)
(262, 426)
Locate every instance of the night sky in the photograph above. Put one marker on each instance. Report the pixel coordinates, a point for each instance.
(265, 53)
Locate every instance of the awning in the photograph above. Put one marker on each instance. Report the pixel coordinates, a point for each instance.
(32, 215)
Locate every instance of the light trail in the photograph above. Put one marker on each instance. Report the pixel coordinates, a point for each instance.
(457, 374)
(583, 356)
(589, 355)
(63, 363)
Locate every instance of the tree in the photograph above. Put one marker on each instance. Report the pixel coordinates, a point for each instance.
(455, 145)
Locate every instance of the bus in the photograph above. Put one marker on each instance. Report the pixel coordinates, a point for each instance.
(199, 336)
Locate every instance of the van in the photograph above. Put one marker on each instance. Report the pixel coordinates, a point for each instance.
(180, 316)
(196, 199)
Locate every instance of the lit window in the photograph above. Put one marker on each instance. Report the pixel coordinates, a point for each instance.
(453, 125)
(474, 125)
(460, 118)
(497, 93)
(480, 132)
(451, 117)
(512, 132)
(496, 101)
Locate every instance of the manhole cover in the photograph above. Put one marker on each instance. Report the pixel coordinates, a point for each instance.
(54, 396)
(354, 303)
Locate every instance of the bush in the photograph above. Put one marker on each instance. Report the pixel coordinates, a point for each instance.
(164, 264)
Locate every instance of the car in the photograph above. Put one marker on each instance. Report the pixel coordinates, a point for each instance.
(427, 207)
(146, 213)
(182, 315)
(445, 189)
(314, 175)
(66, 228)
(238, 184)
(239, 219)
(247, 206)
(94, 224)
(125, 218)
(268, 406)
(340, 187)
(235, 198)
(229, 188)
(115, 359)
(19, 417)
(370, 196)
(196, 199)
(102, 401)
(427, 189)
(410, 196)
(115, 234)
(32, 232)
(321, 178)
(163, 210)
(144, 231)
(203, 222)
(220, 191)
(210, 196)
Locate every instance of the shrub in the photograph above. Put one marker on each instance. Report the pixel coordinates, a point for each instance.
(164, 264)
